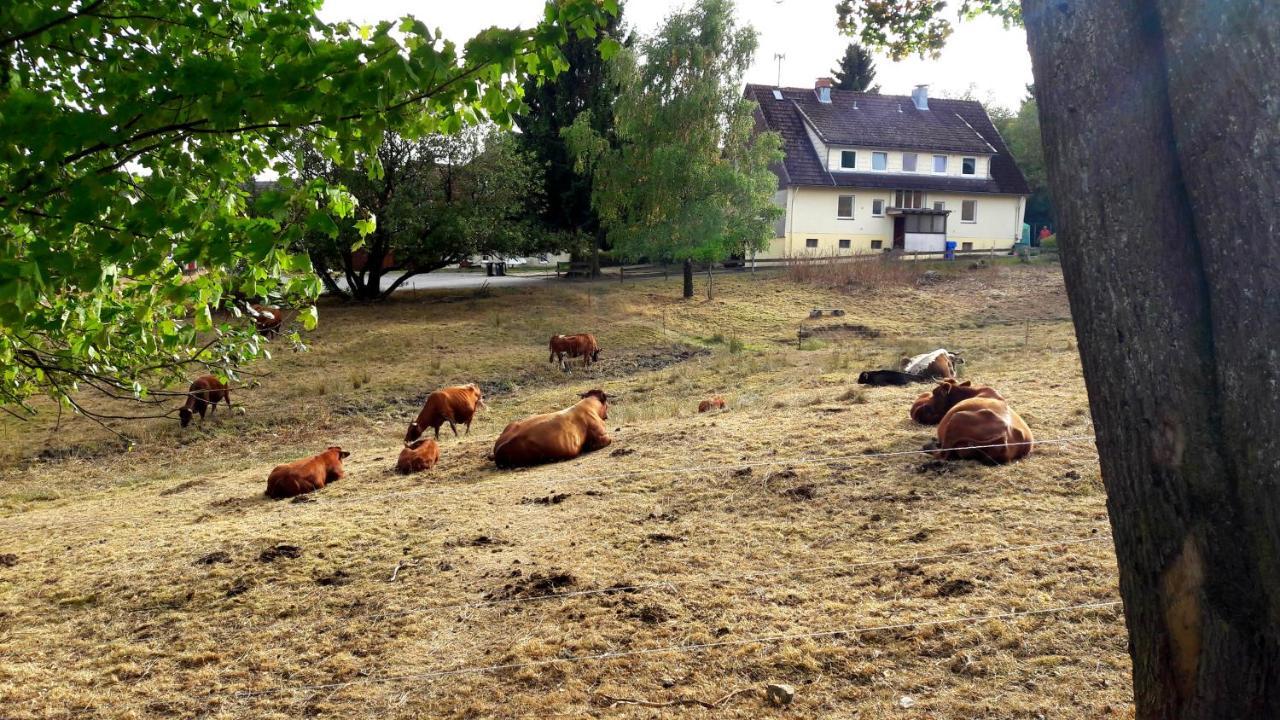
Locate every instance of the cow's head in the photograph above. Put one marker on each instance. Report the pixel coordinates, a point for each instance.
(474, 388)
(602, 397)
(184, 417)
(595, 355)
(342, 454)
(864, 377)
(413, 433)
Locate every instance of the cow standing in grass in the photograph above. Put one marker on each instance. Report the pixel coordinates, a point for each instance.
(204, 394)
(267, 320)
(552, 437)
(452, 405)
(582, 345)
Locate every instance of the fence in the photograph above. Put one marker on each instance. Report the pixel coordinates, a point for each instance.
(663, 270)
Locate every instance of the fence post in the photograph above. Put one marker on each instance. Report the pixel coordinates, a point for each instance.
(622, 271)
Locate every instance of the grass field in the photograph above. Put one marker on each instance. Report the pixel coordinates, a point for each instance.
(161, 583)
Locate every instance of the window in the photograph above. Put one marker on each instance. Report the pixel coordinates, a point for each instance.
(939, 163)
(844, 207)
(939, 206)
(969, 211)
(848, 159)
(969, 166)
(877, 208)
(845, 244)
(910, 199)
(811, 243)
(877, 244)
(940, 223)
(966, 246)
(908, 162)
(879, 160)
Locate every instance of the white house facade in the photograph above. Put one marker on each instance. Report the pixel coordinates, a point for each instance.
(869, 173)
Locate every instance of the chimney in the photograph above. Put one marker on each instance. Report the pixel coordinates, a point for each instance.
(920, 97)
(822, 86)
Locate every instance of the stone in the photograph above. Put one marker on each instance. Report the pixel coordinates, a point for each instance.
(906, 702)
(779, 694)
(815, 313)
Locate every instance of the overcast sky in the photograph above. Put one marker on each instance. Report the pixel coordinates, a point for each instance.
(980, 53)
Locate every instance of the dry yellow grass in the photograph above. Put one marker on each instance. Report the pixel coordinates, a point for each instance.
(109, 611)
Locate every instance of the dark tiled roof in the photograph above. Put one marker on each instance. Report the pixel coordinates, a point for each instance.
(948, 125)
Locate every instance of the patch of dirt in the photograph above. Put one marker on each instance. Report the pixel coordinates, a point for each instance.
(183, 486)
(801, 492)
(661, 537)
(554, 499)
(280, 551)
(477, 541)
(217, 556)
(953, 588)
(651, 614)
(240, 586)
(303, 499)
(845, 329)
(334, 579)
(919, 537)
(935, 467)
(536, 585)
(8, 559)
(621, 451)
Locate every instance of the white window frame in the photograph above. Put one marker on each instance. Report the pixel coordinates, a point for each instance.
(915, 162)
(854, 153)
(939, 205)
(943, 158)
(873, 207)
(853, 202)
(975, 166)
(884, 157)
(974, 205)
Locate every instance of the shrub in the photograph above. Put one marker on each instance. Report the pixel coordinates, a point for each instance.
(864, 272)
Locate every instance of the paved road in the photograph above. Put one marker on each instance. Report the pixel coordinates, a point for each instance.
(460, 281)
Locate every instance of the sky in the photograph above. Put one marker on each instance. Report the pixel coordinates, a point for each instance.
(981, 53)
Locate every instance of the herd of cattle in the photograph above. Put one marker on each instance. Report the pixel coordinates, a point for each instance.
(974, 421)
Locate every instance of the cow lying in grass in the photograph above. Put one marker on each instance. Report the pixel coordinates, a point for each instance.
(881, 378)
(417, 456)
(983, 428)
(583, 345)
(204, 394)
(938, 364)
(715, 403)
(552, 437)
(451, 405)
(931, 407)
(307, 475)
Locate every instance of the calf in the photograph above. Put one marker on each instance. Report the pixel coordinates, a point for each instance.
(417, 456)
(583, 345)
(556, 436)
(205, 393)
(931, 407)
(938, 364)
(888, 377)
(451, 405)
(715, 403)
(267, 320)
(308, 475)
(983, 428)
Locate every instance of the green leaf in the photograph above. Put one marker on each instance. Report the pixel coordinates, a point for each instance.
(309, 318)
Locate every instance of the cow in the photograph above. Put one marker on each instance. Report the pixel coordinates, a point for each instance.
(451, 405)
(582, 345)
(931, 407)
(417, 456)
(267, 320)
(306, 475)
(937, 364)
(983, 428)
(882, 378)
(552, 437)
(205, 393)
(715, 403)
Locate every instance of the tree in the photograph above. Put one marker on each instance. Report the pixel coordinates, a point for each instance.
(686, 179)
(440, 200)
(552, 104)
(1160, 139)
(129, 133)
(857, 70)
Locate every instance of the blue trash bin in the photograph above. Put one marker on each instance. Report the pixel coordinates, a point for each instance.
(950, 252)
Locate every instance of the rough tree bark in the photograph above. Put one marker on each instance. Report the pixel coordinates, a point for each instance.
(1161, 123)
(688, 278)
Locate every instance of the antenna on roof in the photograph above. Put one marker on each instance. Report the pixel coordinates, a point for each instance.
(779, 57)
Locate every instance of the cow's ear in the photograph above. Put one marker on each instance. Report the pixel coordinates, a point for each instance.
(344, 454)
(966, 383)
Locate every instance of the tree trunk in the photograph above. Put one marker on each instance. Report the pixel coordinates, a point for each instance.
(595, 253)
(1161, 124)
(709, 281)
(321, 269)
(688, 278)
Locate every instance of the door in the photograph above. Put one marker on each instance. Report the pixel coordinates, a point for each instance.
(899, 233)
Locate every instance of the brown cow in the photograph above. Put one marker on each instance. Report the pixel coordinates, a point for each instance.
(939, 364)
(582, 345)
(417, 456)
(973, 424)
(451, 405)
(205, 393)
(556, 436)
(267, 320)
(931, 407)
(307, 475)
(715, 403)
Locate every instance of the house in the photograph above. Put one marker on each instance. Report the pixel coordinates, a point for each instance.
(866, 172)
